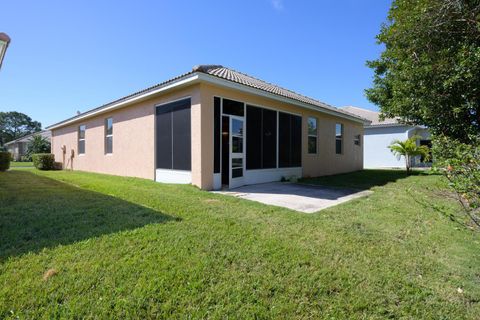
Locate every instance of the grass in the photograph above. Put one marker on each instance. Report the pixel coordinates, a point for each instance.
(18, 164)
(84, 245)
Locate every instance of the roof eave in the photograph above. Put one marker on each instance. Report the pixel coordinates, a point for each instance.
(180, 82)
(195, 78)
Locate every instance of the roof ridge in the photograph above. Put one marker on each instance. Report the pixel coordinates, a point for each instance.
(280, 87)
(227, 74)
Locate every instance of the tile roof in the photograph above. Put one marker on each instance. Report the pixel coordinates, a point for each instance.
(373, 116)
(231, 75)
(247, 80)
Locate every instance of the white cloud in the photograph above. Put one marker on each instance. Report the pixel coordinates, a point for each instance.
(277, 4)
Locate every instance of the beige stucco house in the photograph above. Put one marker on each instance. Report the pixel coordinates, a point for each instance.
(213, 127)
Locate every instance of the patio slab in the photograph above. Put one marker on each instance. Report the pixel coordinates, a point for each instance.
(299, 197)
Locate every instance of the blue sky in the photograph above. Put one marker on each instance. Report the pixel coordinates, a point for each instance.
(75, 55)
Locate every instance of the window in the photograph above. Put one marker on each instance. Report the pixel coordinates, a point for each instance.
(289, 140)
(81, 139)
(109, 135)
(357, 139)
(339, 138)
(312, 135)
(261, 138)
(234, 108)
(173, 136)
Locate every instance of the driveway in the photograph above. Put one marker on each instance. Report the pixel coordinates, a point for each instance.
(299, 197)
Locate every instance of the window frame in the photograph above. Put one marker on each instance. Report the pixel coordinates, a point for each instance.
(108, 136)
(339, 137)
(79, 139)
(309, 135)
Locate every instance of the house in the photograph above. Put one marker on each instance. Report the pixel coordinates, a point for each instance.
(215, 128)
(18, 147)
(379, 134)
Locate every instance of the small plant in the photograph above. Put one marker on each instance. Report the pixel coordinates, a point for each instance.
(44, 161)
(5, 160)
(409, 149)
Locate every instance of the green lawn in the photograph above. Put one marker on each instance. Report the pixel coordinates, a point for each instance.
(132, 248)
(17, 164)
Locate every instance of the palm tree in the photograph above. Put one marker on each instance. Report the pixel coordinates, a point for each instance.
(37, 144)
(409, 149)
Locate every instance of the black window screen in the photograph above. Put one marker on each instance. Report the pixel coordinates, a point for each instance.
(181, 139)
(269, 139)
(173, 135)
(289, 140)
(261, 138)
(296, 145)
(254, 134)
(232, 107)
(216, 135)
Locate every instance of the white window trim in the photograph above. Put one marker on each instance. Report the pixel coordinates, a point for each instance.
(84, 139)
(341, 138)
(313, 135)
(108, 136)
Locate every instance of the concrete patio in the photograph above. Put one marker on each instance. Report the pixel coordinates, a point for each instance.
(299, 197)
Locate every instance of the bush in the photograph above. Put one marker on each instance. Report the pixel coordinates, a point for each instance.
(37, 144)
(5, 160)
(26, 158)
(44, 161)
(460, 163)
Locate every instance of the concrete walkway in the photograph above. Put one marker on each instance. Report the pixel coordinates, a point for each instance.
(299, 197)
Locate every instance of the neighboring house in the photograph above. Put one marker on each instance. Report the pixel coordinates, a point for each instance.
(213, 127)
(380, 134)
(18, 147)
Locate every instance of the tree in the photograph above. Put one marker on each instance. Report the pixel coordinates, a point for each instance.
(460, 163)
(37, 144)
(429, 71)
(14, 125)
(409, 149)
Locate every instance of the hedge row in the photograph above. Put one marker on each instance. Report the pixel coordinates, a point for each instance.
(44, 161)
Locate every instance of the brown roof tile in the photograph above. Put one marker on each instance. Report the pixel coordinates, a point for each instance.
(229, 75)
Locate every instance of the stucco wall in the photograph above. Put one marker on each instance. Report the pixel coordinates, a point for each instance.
(133, 139)
(377, 140)
(325, 162)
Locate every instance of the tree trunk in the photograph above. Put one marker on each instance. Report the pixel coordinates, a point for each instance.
(407, 164)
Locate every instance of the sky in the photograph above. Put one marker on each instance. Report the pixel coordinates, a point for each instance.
(69, 56)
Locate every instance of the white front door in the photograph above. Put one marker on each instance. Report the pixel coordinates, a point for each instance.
(237, 151)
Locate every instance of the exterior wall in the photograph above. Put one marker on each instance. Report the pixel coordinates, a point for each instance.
(133, 139)
(377, 140)
(325, 162)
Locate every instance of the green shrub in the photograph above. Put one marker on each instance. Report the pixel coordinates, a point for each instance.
(44, 161)
(460, 163)
(26, 158)
(5, 160)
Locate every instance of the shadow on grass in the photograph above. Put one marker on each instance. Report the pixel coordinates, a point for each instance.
(362, 180)
(38, 212)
